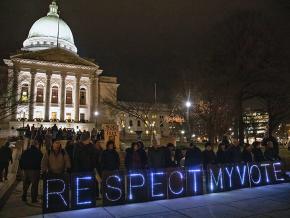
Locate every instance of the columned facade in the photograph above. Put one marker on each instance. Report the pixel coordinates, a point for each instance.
(47, 95)
(77, 98)
(62, 97)
(32, 96)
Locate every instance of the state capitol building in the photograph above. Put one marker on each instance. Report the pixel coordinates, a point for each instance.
(55, 84)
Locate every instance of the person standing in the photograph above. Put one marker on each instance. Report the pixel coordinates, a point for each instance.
(110, 159)
(221, 155)
(84, 155)
(208, 155)
(133, 158)
(143, 154)
(55, 160)
(5, 158)
(234, 152)
(30, 163)
(247, 154)
(270, 153)
(170, 155)
(48, 139)
(257, 151)
(193, 156)
(156, 156)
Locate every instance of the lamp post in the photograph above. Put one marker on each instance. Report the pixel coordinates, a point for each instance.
(97, 113)
(188, 106)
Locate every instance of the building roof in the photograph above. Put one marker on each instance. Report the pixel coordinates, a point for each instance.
(57, 55)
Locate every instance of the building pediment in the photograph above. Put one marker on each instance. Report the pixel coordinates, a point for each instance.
(55, 55)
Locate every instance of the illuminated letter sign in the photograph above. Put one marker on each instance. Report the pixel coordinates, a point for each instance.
(83, 190)
(55, 194)
(113, 188)
(278, 172)
(240, 176)
(136, 186)
(176, 183)
(194, 181)
(255, 174)
(267, 178)
(158, 185)
(228, 177)
(215, 179)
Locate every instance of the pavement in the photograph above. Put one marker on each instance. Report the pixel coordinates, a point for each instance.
(266, 201)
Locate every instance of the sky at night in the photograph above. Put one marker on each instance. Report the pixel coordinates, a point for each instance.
(139, 41)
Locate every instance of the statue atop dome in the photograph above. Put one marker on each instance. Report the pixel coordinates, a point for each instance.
(53, 9)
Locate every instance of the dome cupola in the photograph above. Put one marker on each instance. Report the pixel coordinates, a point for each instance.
(49, 32)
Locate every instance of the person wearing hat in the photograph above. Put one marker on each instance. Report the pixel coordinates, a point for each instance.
(84, 155)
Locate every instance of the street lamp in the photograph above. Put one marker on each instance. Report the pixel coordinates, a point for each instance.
(97, 113)
(188, 104)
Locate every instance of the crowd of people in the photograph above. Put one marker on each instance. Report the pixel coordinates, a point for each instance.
(85, 154)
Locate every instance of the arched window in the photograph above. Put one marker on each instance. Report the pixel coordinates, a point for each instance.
(24, 93)
(39, 94)
(68, 96)
(54, 95)
(138, 123)
(83, 96)
(131, 123)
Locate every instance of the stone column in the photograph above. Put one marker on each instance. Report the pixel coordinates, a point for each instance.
(47, 96)
(62, 100)
(77, 99)
(14, 93)
(32, 95)
(92, 97)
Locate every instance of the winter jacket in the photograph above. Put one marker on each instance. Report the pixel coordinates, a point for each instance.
(247, 156)
(271, 155)
(31, 159)
(5, 154)
(193, 157)
(110, 160)
(221, 157)
(156, 158)
(258, 155)
(208, 158)
(234, 154)
(55, 162)
(84, 158)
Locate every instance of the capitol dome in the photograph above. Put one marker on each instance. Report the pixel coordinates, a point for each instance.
(49, 31)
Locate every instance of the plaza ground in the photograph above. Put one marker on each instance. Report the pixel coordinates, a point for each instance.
(267, 201)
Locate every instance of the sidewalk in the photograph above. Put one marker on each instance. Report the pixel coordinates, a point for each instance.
(266, 201)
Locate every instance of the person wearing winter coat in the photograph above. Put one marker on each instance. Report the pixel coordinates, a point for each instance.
(110, 159)
(193, 156)
(84, 155)
(170, 155)
(133, 159)
(30, 163)
(55, 160)
(258, 153)
(221, 155)
(208, 155)
(5, 158)
(234, 153)
(270, 154)
(247, 154)
(156, 156)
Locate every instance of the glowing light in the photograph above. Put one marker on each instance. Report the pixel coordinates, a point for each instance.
(182, 132)
(242, 178)
(219, 180)
(169, 185)
(135, 186)
(188, 104)
(78, 189)
(114, 188)
(229, 174)
(155, 184)
(277, 171)
(251, 176)
(55, 193)
(266, 171)
(194, 177)
(97, 113)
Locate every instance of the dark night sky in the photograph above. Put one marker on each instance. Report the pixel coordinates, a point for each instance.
(140, 41)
